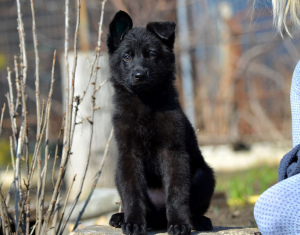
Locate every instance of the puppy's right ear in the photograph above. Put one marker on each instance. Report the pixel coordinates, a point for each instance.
(118, 27)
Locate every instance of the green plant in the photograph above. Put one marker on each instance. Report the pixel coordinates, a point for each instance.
(239, 186)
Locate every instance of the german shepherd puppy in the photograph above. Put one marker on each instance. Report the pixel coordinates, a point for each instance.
(161, 175)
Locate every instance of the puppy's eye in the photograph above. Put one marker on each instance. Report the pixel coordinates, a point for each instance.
(152, 55)
(127, 57)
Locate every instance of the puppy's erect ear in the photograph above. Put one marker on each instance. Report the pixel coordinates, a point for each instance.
(164, 31)
(118, 27)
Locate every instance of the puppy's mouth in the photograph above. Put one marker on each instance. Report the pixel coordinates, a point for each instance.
(141, 85)
(138, 82)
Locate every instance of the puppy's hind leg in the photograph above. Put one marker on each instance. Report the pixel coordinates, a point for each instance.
(201, 223)
(117, 220)
(203, 184)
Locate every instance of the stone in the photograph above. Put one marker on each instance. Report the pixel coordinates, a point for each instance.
(103, 230)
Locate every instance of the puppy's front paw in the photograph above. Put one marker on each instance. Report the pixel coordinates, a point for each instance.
(134, 229)
(117, 220)
(179, 229)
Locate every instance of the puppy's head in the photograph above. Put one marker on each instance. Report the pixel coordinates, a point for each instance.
(141, 58)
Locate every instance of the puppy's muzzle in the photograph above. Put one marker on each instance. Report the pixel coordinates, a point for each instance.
(139, 75)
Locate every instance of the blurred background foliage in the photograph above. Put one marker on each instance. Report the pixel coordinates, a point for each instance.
(240, 186)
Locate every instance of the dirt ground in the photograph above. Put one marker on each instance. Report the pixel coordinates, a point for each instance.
(241, 217)
(222, 215)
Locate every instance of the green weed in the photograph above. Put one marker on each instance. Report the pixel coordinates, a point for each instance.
(241, 185)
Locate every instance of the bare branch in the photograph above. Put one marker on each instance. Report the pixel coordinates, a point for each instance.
(55, 216)
(12, 153)
(96, 67)
(5, 216)
(18, 86)
(47, 121)
(37, 65)
(56, 153)
(67, 144)
(23, 54)
(2, 116)
(100, 26)
(66, 202)
(96, 179)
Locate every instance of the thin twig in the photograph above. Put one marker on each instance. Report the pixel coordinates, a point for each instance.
(100, 27)
(56, 153)
(23, 135)
(2, 116)
(23, 57)
(17, 82)
(66, 202)
(17, 176)
(91, 121)
(98, 48)
(2, 220)
(12, 153)
(47, 121)
(11, 108)
(37, 65)
(67, 144)
(22, 42)
(5, 215)
(67, 84)
(10, 192)
(38, 191)
(10, 86)
(55, 216)
(96, 178)
(77, 100)
(31, 171)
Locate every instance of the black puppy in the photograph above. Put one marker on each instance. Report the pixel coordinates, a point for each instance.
(161, 175)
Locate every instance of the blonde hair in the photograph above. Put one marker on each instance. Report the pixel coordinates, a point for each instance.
(283, 9)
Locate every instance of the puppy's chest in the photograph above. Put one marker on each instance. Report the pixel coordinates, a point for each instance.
(144, 123)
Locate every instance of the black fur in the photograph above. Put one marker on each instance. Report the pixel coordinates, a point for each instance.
(158, 150)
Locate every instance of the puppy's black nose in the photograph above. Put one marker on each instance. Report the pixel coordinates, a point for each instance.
(139, 75)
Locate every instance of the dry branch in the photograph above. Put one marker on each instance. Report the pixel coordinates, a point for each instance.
(68, 122)
(96, 179)
(19, 141)
(47, 122)
(11, 108)
(94, 70)
(2, 116)
(23, 55)
(18, 85)
(56, 153)
(37, 66)
(55, 216)
(5, 216)
(65, 204)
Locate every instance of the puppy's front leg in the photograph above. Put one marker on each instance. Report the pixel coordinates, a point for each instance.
(130, 181)
(176, 172)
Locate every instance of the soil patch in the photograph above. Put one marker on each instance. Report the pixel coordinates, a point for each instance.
(223, 215)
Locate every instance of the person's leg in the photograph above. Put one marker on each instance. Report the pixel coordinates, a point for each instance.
(277, 211)
(295, 105)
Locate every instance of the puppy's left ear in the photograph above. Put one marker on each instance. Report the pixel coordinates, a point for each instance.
(118, 27)
(164, 31)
